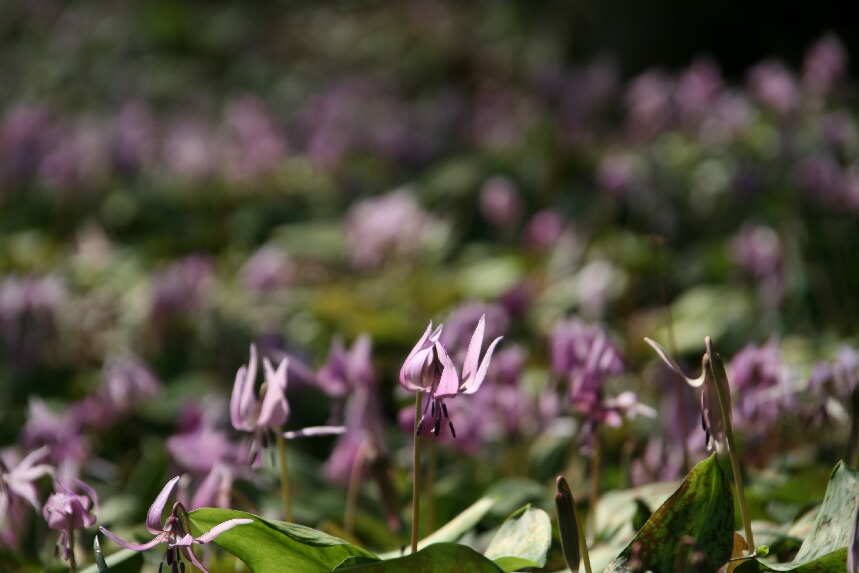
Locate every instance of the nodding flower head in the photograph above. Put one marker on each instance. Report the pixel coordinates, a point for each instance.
(175, 532)
(429, 369)
(65, 510)
(265, 416)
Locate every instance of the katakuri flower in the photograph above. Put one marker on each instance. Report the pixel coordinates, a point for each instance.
(265, 416)
(17, 489)
(429, 369)
(175, 532)
(66, 511)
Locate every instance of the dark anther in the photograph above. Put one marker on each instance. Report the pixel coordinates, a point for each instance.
(436, 427)
(182, 566)
(169, 556)
(452, 431)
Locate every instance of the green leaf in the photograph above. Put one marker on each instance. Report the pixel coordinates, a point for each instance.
(456, 527)
(703, 508)
(825, 548)
(275, 546)
(438, 558)
(522, 541)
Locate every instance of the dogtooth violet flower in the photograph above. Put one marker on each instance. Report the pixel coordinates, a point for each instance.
(66, 511)
(175, 532)
(265, 416)
(429, 369)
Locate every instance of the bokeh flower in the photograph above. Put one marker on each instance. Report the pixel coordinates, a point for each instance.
(66, 511)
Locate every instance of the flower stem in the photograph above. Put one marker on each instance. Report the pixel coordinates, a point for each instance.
(595, 484)
(720, 379)
(430, 487)
(284, 479)
(72, 564)
(416, 478)
(354, 486)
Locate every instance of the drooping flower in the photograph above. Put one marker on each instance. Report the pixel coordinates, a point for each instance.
(429, 369)
(267, 415)
(66, 511)
(175, 532)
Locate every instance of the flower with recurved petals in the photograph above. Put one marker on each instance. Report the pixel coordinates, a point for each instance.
(428, 368)
(266, 416)
(175, 532)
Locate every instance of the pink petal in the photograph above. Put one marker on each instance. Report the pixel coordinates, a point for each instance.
(472, 355)
(220, 528)
(419, 346)
(470, 386)
(247, 401)
(161, 538)
(314, 431)
(275, 408)
(153, 517)
(448, 385)
(235, 400)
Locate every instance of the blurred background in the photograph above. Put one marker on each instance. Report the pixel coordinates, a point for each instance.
(179, 179)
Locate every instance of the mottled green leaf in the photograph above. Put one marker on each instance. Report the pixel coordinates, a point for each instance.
(522, 541)
(825, 548)
(702, 508)
(438, 558)
(275, 546)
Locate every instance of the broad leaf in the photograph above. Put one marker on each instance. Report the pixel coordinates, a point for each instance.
(702, 508)
(456, 527)
(522, 541)
(825, 548)
(275, 546)
(438, 558)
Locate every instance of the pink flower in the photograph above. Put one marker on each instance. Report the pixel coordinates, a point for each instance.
(428, 368)
(265, 416)
(66, 511)
(174, 532)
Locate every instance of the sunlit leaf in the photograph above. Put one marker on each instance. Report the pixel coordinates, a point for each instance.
(522, 541)
(702, 508)
(438, 558)
(275, 546)
(825, 548)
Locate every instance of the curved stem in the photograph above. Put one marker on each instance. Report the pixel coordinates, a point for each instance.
(284, 479)
(720, 379)
(416, 478)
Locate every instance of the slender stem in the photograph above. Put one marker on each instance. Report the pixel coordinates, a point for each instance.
(284, 479)
(416, 478)
(595, 483)
(72, 564)
(354, 486)
(853, 440)
(430, 487)
(583, 544)
(719, 380)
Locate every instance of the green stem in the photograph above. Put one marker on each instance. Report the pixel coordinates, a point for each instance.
(595, 484)
(416, 478)
(430, 487)
(284, 479)
(720, 379)
(354, 486)
(72, 563)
